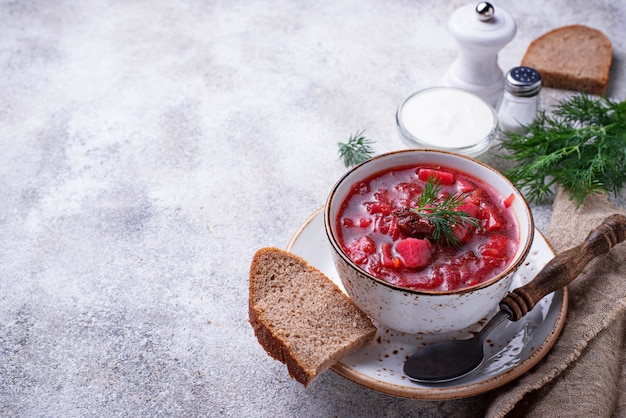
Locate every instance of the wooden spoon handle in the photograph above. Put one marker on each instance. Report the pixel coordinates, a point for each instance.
(565, 267)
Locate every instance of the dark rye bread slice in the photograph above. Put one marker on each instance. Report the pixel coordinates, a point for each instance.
(300, 316)
(573, 57)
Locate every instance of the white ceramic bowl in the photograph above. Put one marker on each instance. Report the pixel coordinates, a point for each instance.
(420, 311)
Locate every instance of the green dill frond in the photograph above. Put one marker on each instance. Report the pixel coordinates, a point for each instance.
(356, 150)
(581, 146)
(443, 213)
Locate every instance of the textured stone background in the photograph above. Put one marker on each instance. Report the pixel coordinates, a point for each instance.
(148, 148)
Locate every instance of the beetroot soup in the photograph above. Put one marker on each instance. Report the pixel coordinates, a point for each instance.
(385, 229)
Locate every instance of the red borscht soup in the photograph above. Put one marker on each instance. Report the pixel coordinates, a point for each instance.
(380, 229)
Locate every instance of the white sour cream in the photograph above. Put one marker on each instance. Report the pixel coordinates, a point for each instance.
(446, 118)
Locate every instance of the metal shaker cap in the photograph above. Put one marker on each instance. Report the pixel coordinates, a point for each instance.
(523, 81)
(484, 11)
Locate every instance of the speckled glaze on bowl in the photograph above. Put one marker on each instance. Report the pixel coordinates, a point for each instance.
(420, 311)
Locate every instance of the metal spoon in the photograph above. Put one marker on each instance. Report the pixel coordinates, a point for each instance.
(449, 360)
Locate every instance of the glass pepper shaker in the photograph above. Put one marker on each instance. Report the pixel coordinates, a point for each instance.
(520, 100)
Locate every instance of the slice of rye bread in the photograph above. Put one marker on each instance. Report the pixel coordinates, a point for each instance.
(300, 316)
(573, 57)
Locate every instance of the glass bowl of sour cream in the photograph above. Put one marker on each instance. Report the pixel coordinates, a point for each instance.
(447, 118)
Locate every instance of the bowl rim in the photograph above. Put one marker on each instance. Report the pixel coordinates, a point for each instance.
(509, 270)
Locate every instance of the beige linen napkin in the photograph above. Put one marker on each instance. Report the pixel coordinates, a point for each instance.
(584, 375)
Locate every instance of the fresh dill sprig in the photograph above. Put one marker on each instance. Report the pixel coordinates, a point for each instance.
(357, 150)
(443, 213)
(581, 146)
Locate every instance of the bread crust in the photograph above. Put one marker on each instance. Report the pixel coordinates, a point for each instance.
(565, 61)
(273, 345)
(271, 334)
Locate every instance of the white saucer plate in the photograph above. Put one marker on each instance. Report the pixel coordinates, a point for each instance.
(511, 350)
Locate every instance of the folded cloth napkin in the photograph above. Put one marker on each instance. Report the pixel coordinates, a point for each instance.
(584, 375)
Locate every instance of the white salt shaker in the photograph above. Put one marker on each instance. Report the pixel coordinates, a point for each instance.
(520, 101)
(481, 32)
